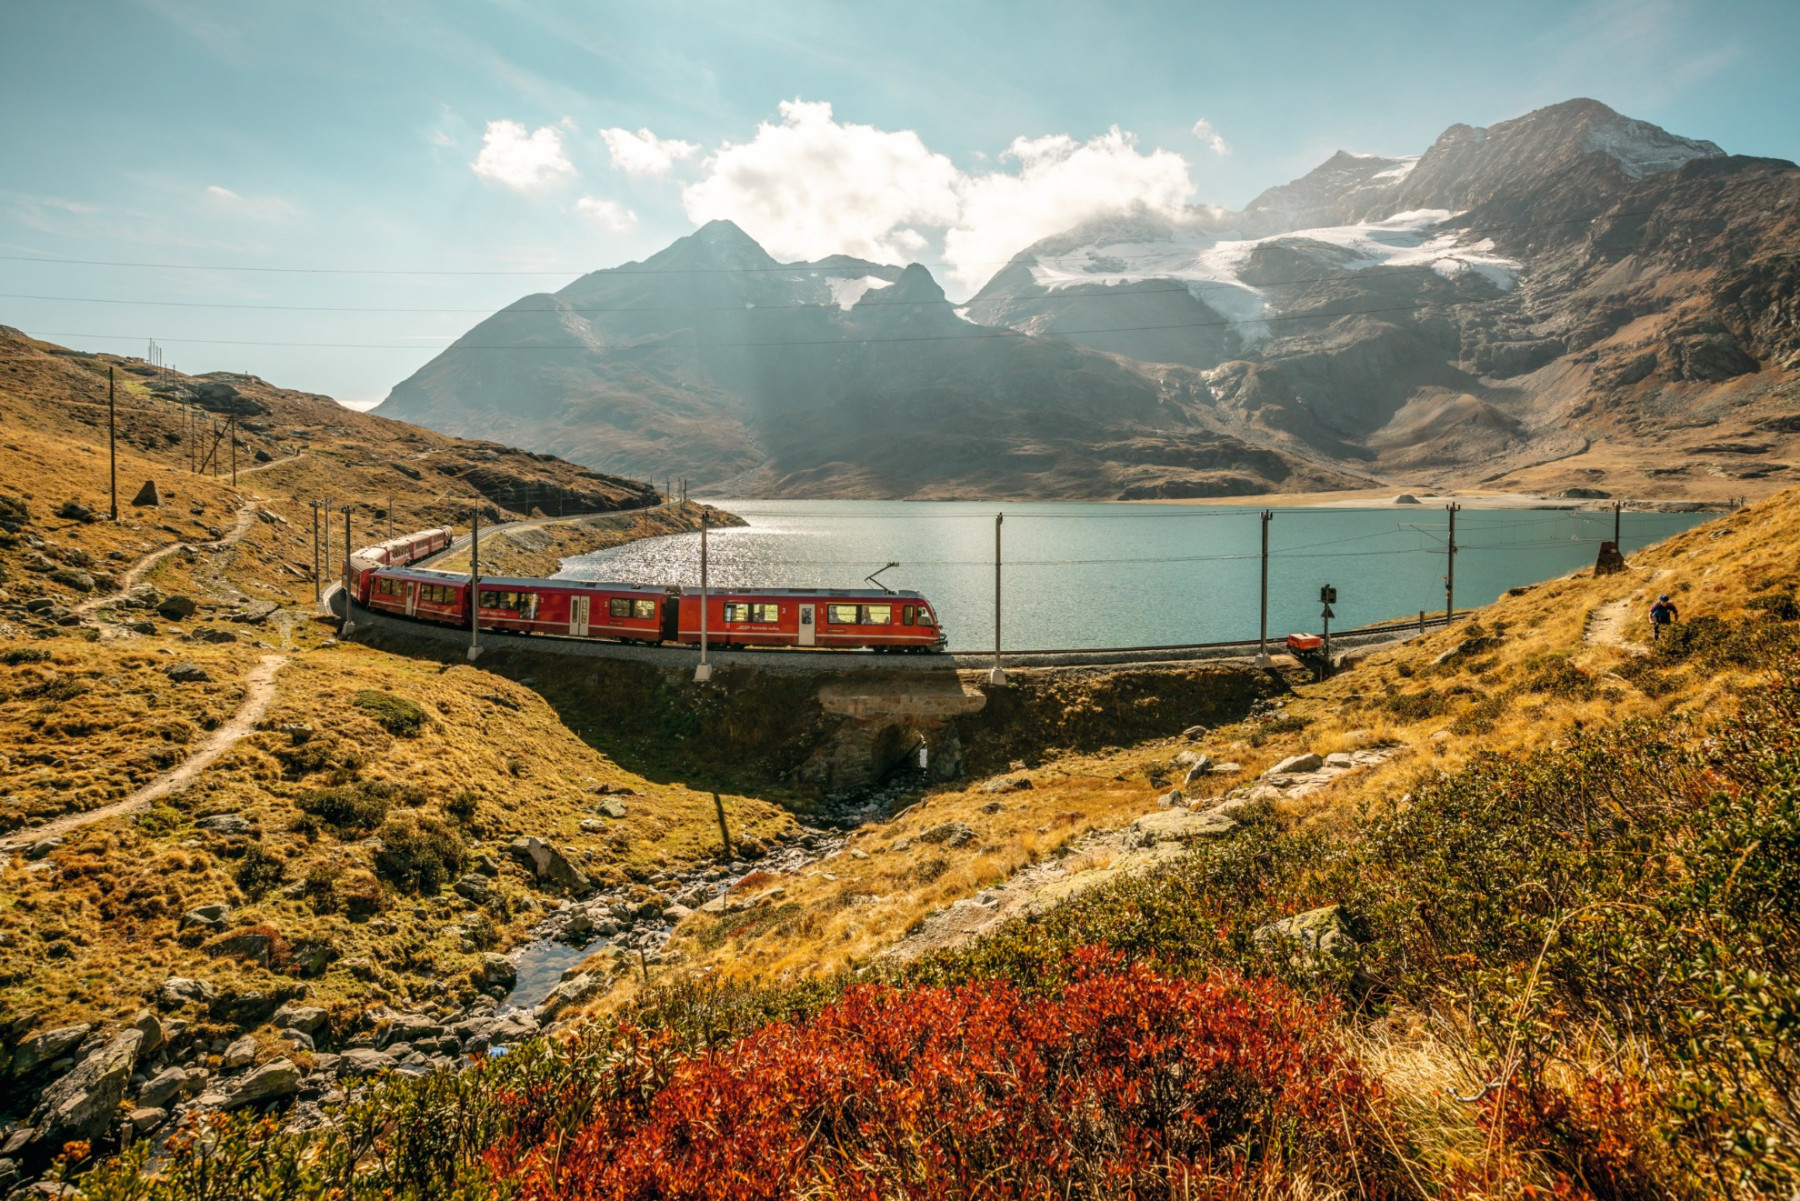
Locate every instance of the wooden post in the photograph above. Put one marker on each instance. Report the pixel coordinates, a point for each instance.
(724, 830)
(474, 584)
(1450, 569)
(112, 443)
(998, 674)
(702, 673)
(1262, 629)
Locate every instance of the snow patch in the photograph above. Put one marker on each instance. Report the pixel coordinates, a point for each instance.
(1643, 149)
(1211, 266)
(1399, 170)
(846, 292)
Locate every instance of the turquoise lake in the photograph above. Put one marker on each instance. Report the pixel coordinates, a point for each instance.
(1109, 575)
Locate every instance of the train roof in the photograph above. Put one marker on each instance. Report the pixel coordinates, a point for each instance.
(520, 583)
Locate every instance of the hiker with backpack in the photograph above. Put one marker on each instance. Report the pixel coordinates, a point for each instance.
(1662, 613)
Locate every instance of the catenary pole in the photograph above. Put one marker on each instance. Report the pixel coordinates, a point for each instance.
(231, 431)
(349, 589)
(315, 509)
(1262, 635)
(1450, 568)
(1616, 543)
(474, 583)
(998, 674)
(112, 443)
(703, 673)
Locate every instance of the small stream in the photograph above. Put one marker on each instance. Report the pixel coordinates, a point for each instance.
(567, 937)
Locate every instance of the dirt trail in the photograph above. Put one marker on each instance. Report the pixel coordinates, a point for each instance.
(1606, 625)
(246, 516)
(259, 690)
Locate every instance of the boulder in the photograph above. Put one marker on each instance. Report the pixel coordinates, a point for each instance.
(225, 823)
(1295, 764)
(950, 834)
(81, 1104)
(187, 673)
(177, 991)
(254, 944)
(256, 612)
(494, 974)
(151, 1027)
(548, 864)
(1007, 784)
(69, 577)
(176, 608)
(1172, 798)
(308, 1019)
(1339, 761)
(162, 1088)
(676, 913)
(365, 1061)
(74, 510)
(1201, 766)
(42, 847)
(46, 1048)
(570, 992)
(146, 1118)
(1321, 931)
(212, 635)
(474, 888)
(275, 1079)
(1180, 825)
(610, 807)
(148, 495)
(210, 916)
(241, 1053)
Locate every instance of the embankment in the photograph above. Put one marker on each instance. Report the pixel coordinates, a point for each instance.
(817, 732)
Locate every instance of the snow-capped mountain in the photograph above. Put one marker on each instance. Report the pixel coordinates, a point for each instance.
(1549, 300)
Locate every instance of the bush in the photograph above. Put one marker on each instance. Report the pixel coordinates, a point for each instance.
(24, 654)
(1126, 1083)
(1778, 605)
(259, 871)
(396, 715)
(463, 805)
(418, 853)
(358, 808)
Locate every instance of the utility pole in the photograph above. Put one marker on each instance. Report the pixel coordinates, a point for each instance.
(703, 673)
(1327, 598)
(349, 579)
(231, 429)
(315, 509)
(1616, 546)
(390, 517)
(724, 830)
(474, 583)
(112, 443)
(327, 537)
(1262, 629)
(998, 675)
(1450, 568)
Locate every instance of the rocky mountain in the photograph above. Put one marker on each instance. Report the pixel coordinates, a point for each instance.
(1557, 300)
(842, 377)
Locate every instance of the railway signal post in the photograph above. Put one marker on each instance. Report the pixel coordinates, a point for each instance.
(702, 673)
(1327, 598)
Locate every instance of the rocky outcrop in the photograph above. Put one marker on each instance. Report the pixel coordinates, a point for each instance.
(548, 864)
(82, 1104)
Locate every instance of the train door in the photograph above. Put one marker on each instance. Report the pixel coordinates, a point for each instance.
(578, 616)
(809, 629)
(412, 597)
(671, 619)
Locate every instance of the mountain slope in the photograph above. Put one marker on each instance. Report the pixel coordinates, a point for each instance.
(1550, 301)
(841, 377)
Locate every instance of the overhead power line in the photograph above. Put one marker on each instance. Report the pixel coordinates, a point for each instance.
(1447, 225)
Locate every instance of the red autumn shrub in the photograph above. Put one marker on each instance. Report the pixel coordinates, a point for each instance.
(1125, 1084)
(1594, 1143)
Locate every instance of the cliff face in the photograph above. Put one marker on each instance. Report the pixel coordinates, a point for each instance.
(1556, 300)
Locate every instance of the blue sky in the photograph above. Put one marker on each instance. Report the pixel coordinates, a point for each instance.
(532, 141)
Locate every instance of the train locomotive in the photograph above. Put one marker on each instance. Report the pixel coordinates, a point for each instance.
(382, 579)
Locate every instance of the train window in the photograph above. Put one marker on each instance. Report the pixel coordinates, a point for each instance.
(437, 594)
(840, 615)
(494, 599)
(618, 606)
(765, 612)
(737, 612)
(387, 587)
(877, 615)
(645, 609)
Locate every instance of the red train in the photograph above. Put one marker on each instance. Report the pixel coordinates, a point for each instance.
(837, 618)
(359, 572)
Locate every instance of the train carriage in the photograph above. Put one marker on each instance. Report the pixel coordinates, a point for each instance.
(359, 571)
(840, 618)
(527, 606)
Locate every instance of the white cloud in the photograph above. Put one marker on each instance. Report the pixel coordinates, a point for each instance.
(257, 208)
(1215, 141)
(1060, 183)
(810, 187)
(524, 162)
(643, 153)
(610, 213)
